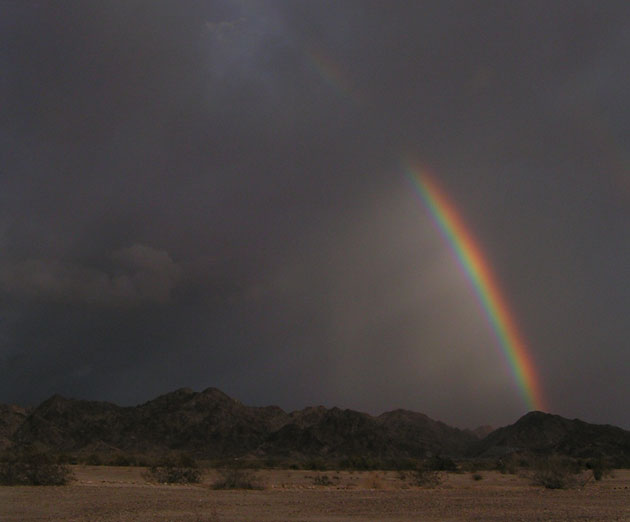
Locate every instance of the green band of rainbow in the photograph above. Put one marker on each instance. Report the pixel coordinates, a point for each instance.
(479, 273)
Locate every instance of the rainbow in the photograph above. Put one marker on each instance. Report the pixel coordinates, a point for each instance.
(480, 275)
(327, 69)
(464, 246)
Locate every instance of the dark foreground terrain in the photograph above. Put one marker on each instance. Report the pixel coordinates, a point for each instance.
(108, 494)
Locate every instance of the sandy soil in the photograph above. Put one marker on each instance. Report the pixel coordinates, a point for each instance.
(106, 494)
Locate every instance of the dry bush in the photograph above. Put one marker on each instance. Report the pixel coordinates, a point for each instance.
(556, 473)
(426, 478)
(477, 476)
(33, 469)
(600, 468)
(173, 475)
(427, 474)
(94, 460)
(322, 480)
(440, 463)
(233, 478)
(507, 465)
(181, 471)
(315, 465)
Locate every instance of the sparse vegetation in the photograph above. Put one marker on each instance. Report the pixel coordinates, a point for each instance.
(234, 478)
(426, 477)
(122, 461)
(556, 473)
(183, 471)
(315, 465)
(111, 494)
(507, 465)
(94, 460)
(361, 463)
(33, 469)
(477, 476)
(600, 468)
(322, 480)
(440, 463)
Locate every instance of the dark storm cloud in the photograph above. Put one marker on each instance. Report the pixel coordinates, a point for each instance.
(209, 194)
(141, 274)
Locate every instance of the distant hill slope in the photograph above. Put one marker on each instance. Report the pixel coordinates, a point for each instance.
(210, 424)
(345, 433)
(11, 418)
(483, 431)
(544, 433)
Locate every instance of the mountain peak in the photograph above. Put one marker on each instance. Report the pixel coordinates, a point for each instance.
(545, 433)
(210, 424)
(217, 394)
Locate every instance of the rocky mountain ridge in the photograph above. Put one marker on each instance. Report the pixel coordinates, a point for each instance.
(212, 425)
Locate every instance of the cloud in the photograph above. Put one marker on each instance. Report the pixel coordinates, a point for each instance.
(306, 270)
(140, 274)
(222, 30)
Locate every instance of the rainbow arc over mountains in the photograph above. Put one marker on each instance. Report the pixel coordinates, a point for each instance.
(479, 272)
(466, 249)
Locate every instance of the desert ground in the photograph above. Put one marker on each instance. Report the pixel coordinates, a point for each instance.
(108, 494)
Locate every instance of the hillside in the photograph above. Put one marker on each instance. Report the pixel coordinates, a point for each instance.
(11, 418)
(212, 425)
(544, 433)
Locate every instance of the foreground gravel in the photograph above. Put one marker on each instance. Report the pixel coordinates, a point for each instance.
(111, 494)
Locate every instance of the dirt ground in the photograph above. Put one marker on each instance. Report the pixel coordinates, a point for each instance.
(107, 494)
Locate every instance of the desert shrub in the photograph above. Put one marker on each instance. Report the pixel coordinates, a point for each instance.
(122, 460)
(183, 471)
(315, 465)
(279, 463)
(322, 480)
(426, 477)
(555, 473)
(439, 463)
(599, 467)
(233, 478)
(507, 465)
(63, 458)
(33, 469)
(94, 460)
(477, 476)
(360, 463)
(400, 464)
(174, 475)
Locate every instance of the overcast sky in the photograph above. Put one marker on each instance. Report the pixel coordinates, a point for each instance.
(210, 193)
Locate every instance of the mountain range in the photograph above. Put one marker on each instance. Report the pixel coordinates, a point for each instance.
(212, 425)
